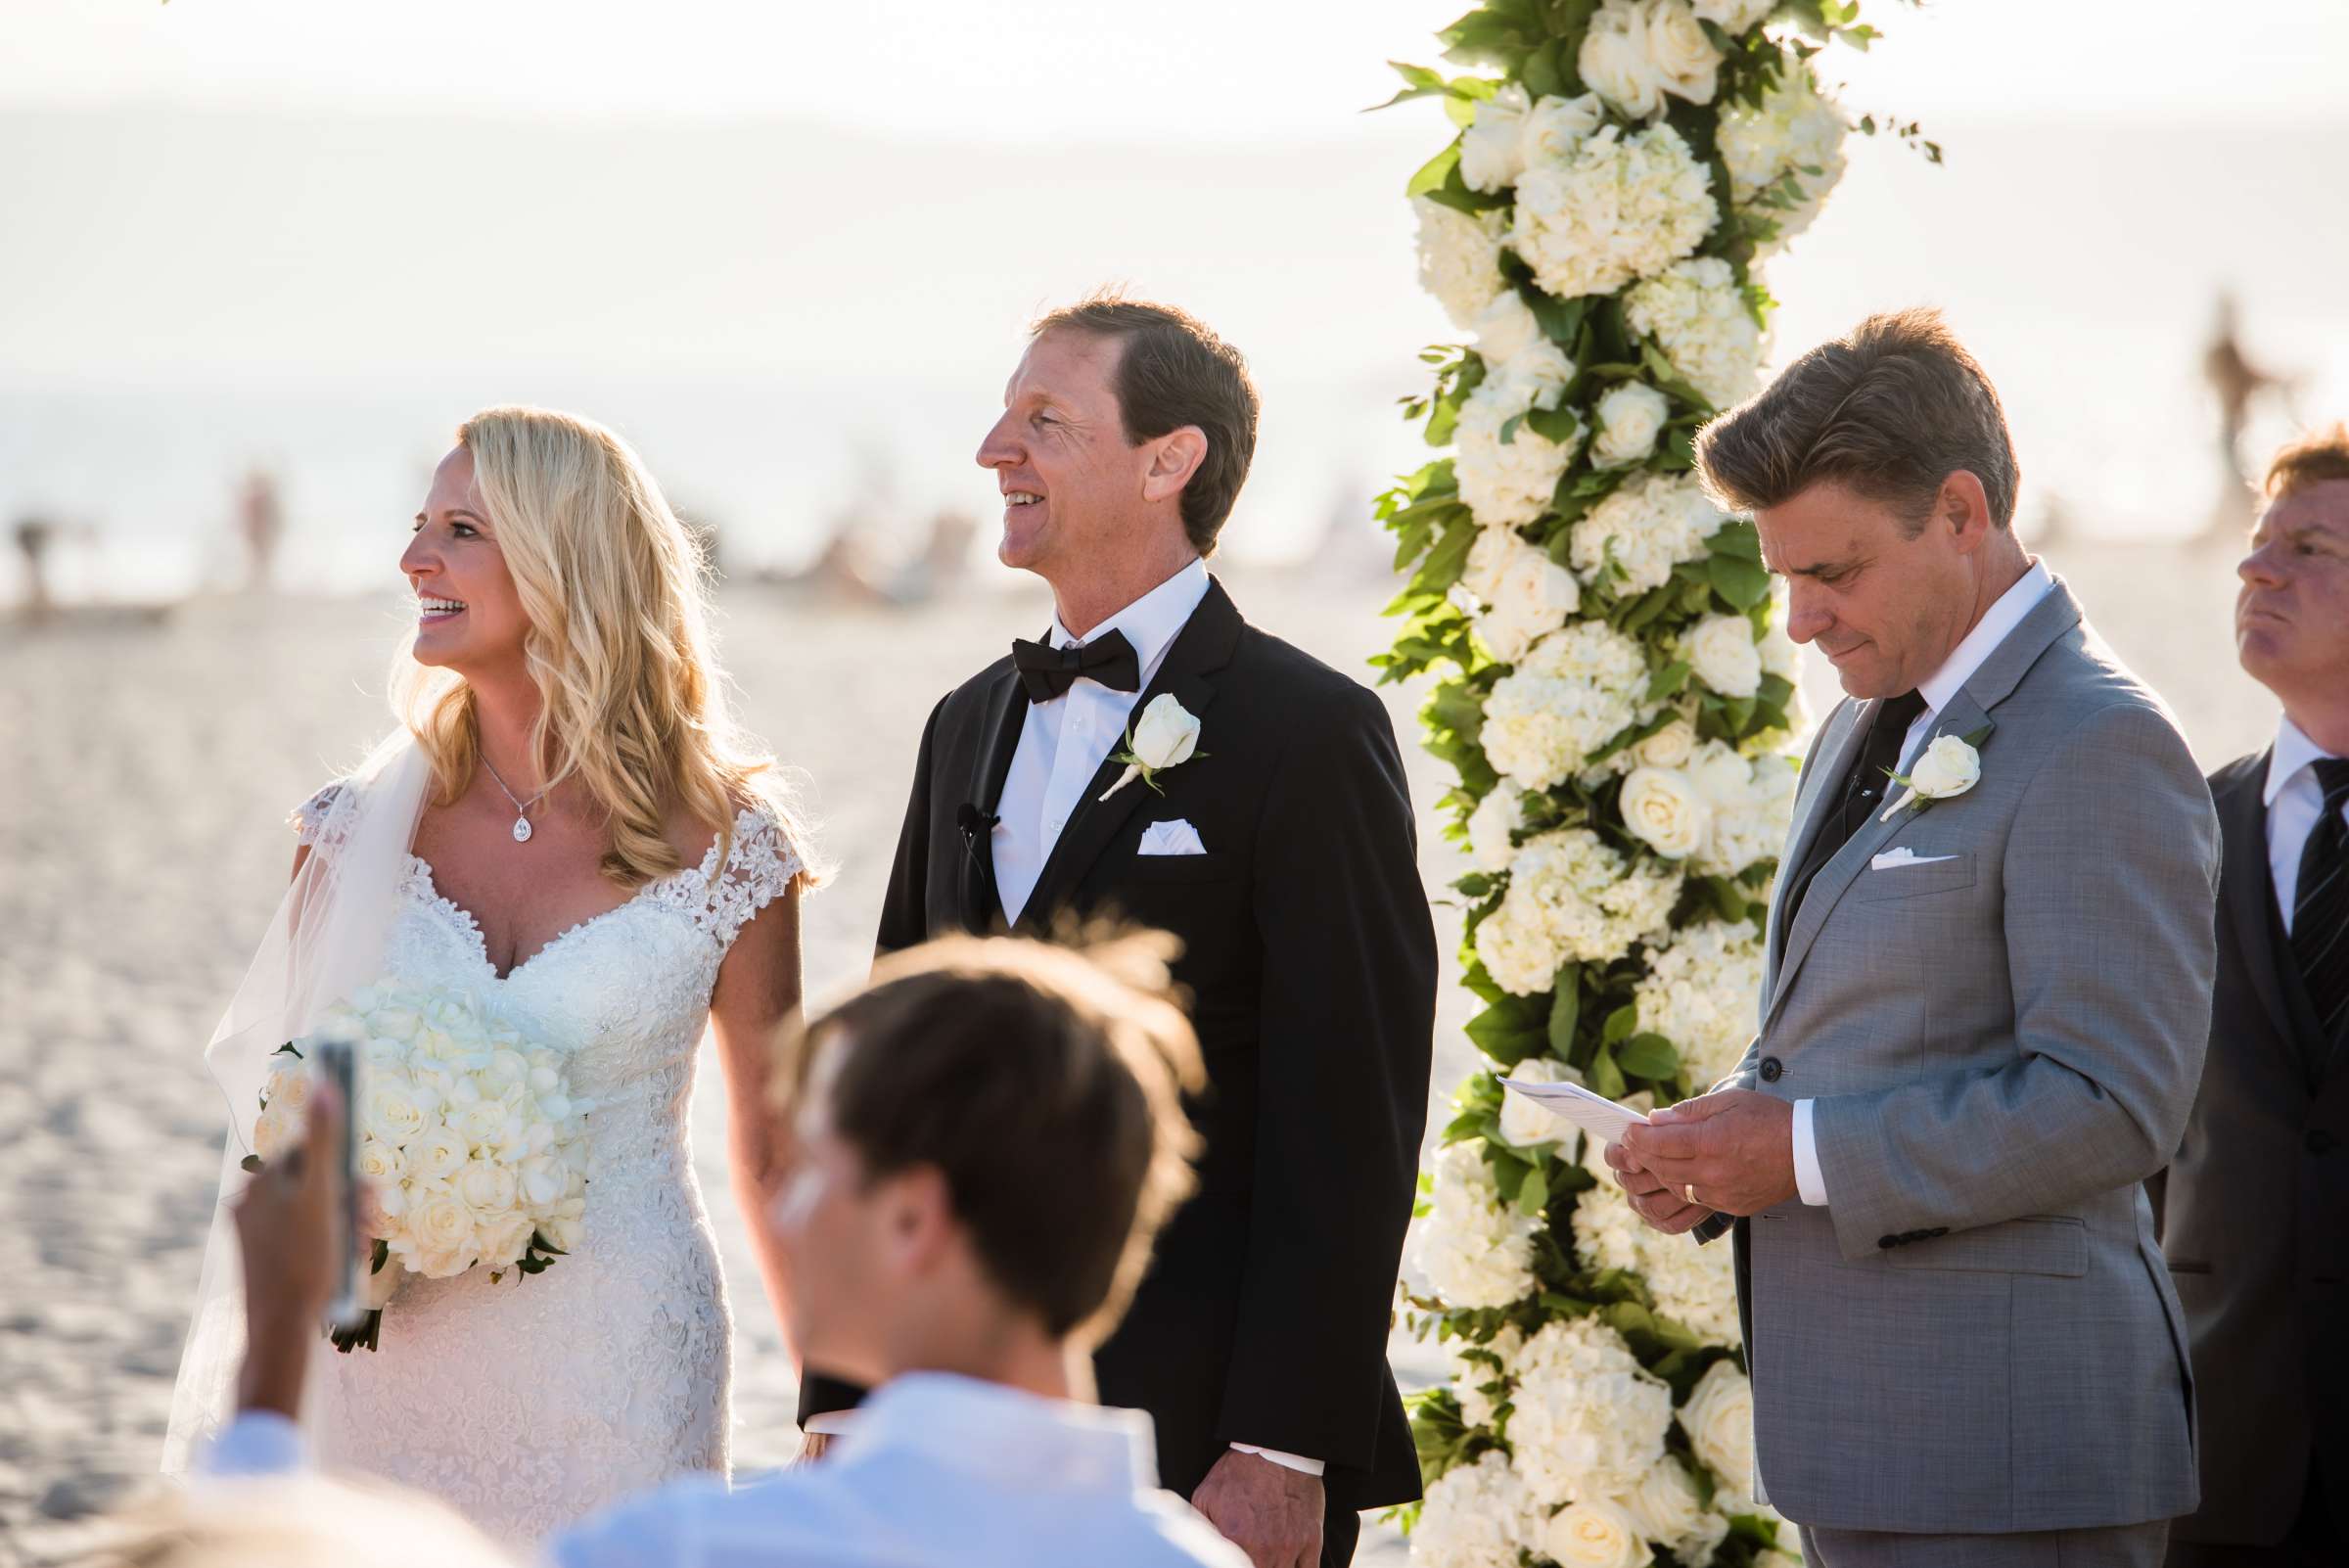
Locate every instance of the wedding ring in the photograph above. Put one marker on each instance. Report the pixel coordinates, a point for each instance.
(1689, 1192)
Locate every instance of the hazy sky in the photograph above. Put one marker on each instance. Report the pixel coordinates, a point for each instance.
(1046, 70)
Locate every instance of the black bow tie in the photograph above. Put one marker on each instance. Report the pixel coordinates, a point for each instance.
(1048, 672)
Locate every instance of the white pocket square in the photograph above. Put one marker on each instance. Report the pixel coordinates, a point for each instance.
(1177, 837)
(1890, 859)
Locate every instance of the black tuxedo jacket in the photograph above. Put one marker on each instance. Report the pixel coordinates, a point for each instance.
(2254, 1213)
(1309, 959)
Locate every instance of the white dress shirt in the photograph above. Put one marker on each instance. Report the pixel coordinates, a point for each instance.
(940, 1470)
(1063, 742)
(2294, 800)
(1997, 625)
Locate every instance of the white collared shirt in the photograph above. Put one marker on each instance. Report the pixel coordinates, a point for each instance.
(1997, 625)
(940, 1470)
(2294, 800)
(1063, 742)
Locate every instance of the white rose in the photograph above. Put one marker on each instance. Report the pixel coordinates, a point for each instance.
(1488, 558)
(1722, 651)
(1668, 747)
(1631, 417)
(1683, 60)
(1168, 734)
(1496, 817)
(393, 1023)
(1595, 1534)
(1734, 15)
(1526, 1124)
(503, 1242)
(1664, 809)
(1947, 768)
(441, 1227)
(1557, 125)
(437, 1152)
(543, 1179)
(1664, 1507)
(1491, 148)
(1719, 1419)
(382, 1163)
(1506, 329)
(1536, 596)
(392, 1111)
(1614, 60)
(1459, 257)
(275, 1132)
(486, 1189)
(483, 1123)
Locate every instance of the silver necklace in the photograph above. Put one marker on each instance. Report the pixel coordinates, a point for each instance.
(522, 813)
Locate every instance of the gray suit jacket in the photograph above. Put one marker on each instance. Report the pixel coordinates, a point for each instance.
(1976, 1333)
(2255, 1213)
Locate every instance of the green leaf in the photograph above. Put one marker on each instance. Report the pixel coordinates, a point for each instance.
(1432, 173)
(1534, 1196)
(1509, 1031)
(1604, 1076)
(1743, 583)
(1560, 424)
(1647, 1055)
(1736, 537)
(1668, 681)
(1565, 1010)
(1619, 1025)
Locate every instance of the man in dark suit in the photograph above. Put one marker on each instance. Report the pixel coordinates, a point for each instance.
(2254, 1211)
(1157, 759)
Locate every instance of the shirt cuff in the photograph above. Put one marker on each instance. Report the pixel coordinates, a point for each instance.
(1287, 1461)
(257, 1443)
(1808, 1179)
(829, 1423)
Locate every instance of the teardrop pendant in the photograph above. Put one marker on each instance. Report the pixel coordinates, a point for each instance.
(521, 830)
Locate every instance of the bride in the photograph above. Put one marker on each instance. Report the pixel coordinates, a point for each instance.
(564, 830)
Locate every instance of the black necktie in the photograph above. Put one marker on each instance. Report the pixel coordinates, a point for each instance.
(1862, 789)
(1048, 672)
(2321, 904)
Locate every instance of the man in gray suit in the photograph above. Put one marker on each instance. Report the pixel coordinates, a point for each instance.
(1983, 1014)
(2254, 1212)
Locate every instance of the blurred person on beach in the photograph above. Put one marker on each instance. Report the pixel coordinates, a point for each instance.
(1157, 755)
(982, 1143)
(2254, 1209)
(567, 835)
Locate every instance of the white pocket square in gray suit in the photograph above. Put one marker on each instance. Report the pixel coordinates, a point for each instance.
(1177, 837)
(1893, 860)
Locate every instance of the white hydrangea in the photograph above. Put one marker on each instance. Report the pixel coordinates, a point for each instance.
(1526, 1124)
(1690, 1285)
(1637, 51)
(1697, 315)
(1750, 824)
(1507, 481)
(1521, 363)
(1575, 689)
(1734, 15)
(1493, 147)
(1725, 654)
(1703, 991)
(1499, 815)
(1719, 1418)
(1588, 1419)
(1475, 1249)
(1571, 897)
(1664, 1507)
(1460, 258)
(1618, 208)
(1795, 129)
(1629, 418)
(1607, 1230)
(1647, 526)
(1477, 1516)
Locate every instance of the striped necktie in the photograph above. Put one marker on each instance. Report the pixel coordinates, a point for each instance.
(2321, 904)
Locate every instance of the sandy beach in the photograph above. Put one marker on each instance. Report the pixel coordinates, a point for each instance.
(150, 765)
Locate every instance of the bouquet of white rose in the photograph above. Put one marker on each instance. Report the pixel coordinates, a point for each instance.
(471, 1143)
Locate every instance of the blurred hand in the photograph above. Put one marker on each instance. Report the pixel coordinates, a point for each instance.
(813, 1445)
(1267, 1510)
(1651, 1200)
(285, 1235)
(1731, 1150)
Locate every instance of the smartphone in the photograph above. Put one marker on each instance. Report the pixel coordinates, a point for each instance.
(337, 1062)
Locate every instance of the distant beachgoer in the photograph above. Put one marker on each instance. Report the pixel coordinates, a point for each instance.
(34, 535)
(261, 523)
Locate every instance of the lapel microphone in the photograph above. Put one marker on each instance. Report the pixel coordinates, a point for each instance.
(974, 822)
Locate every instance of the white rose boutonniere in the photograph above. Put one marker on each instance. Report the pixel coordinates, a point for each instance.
(1167, 736)
(1949, 767)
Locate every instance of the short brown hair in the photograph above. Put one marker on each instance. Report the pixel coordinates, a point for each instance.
(1173, 371)
(1890, 411)
(1045, 1084)
(2318, 456)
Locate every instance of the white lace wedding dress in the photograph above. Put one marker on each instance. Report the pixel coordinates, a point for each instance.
(534, 1400)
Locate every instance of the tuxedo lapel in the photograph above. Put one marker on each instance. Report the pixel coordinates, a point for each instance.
(2247, 890)
(991, 764)
(1203, 647)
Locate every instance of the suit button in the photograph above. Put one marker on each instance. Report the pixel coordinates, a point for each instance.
(1772, 1069)
(2320, 1141)
(1888, 1242)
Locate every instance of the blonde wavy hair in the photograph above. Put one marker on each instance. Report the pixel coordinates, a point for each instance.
(632, 702)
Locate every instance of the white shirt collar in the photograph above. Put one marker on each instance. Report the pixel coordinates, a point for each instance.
(1152, 621)
(2293, 752)
(1998, 623)
(1002, 1434)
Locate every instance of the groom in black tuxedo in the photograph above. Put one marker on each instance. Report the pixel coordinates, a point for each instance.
(1272, 833)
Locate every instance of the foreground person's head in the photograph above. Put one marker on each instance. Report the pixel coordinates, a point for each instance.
(1880, 474)
(988, 1138)
(2291, 615)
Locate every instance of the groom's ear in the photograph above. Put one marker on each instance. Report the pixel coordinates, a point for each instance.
(1174, 458)
(1963, 508)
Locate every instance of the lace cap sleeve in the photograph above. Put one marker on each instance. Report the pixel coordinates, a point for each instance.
(760, 868)
(324, 819)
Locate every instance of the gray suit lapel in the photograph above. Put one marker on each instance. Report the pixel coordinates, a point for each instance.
(2054, 616)
(1834, 759)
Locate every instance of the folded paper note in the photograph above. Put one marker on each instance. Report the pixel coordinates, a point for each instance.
(1595, 1114)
